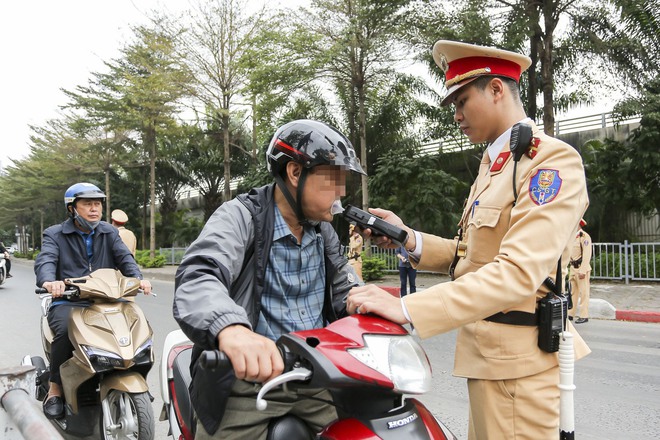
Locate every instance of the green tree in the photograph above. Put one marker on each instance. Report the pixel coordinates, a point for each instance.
(36, 185)
(141, 93)
(217, 42)
(401, 184)
(355, 43)
(642, 155)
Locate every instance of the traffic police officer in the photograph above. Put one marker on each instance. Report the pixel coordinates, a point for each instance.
(119, 219)
(579, 273)
(519, 219)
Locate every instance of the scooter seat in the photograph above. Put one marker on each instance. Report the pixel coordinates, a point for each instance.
(182, 379)
(290, 428)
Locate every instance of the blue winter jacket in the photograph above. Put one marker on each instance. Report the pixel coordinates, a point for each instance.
(64, 255)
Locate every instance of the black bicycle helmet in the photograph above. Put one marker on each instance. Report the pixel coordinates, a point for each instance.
(309, 143)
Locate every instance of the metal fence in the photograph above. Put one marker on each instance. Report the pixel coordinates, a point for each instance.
(626, 261)
(610, 261)
(563, 126)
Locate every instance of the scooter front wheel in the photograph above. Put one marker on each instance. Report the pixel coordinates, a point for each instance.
(127, 416)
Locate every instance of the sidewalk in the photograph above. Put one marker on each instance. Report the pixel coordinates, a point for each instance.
(609, 300)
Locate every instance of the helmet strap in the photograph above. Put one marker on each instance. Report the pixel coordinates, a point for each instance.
(295, 205)
(299, 196)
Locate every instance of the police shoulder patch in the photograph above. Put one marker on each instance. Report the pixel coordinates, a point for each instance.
(544, 186)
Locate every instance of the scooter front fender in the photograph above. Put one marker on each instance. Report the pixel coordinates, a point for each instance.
(348, 428)
(129, 382)
(414, 421)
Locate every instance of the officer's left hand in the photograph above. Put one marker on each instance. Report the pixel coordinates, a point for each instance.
(372, 299)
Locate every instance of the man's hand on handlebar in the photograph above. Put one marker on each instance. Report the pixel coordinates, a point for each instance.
(254, 358)
(55, 288)
(145, 285)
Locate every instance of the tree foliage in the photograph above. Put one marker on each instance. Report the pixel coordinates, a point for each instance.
(140, 92)
(192, 101)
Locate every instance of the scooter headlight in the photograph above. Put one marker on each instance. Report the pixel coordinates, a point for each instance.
(102, 360)
(143, 353)
(399, 358)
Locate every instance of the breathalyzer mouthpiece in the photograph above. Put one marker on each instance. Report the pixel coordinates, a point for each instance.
(336, 208)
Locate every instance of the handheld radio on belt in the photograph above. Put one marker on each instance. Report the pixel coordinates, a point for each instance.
(552, 312)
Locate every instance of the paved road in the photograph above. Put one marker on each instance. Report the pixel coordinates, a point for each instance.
(20, 315)
(618, 385)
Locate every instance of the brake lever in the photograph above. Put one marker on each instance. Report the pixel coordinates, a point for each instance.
(298, 373)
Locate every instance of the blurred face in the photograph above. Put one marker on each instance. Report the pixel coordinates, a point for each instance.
(90, 209)
(474, 113)
(323, 186)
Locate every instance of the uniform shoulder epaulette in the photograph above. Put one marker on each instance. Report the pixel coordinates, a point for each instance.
(533, 148)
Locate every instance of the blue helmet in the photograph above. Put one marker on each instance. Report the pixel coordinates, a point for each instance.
(82, 191)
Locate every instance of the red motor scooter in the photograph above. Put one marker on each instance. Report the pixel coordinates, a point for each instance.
(366, 362)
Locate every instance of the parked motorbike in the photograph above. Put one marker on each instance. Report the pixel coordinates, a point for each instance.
(104, 383)
(366, 362)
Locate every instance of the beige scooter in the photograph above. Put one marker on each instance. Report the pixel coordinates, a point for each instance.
(104, 383)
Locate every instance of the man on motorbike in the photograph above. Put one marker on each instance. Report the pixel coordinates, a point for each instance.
(75, 248)
(267, 263)
(5, 254)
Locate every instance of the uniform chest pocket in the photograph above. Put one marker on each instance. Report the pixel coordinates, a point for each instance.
(484, 234)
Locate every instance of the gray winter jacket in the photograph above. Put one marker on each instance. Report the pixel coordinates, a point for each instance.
(220, 280)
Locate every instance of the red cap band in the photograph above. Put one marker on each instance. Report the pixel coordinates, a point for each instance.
(461, 68)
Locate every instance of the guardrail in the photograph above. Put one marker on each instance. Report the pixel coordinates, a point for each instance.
(626, 261)
(563, 126)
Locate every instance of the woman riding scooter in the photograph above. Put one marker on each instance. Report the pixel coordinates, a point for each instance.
(75, 248)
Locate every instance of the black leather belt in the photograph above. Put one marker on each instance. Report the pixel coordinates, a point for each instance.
(515, 318)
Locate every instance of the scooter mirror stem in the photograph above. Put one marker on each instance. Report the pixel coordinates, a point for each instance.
(299, 373)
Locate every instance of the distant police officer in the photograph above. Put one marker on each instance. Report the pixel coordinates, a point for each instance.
(579, 272)
(355, 250)
(519, 219)
(119, 219)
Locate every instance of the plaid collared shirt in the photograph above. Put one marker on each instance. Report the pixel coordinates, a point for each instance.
(294, 288)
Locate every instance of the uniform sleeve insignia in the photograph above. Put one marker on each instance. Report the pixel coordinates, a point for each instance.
(544, 186)
(533, 148)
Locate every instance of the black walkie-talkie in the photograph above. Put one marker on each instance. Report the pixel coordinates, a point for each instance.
(552, 316)
(521, 138)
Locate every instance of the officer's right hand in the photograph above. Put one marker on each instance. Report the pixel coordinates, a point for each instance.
(394, 219)
(55, 288)
(254, 358)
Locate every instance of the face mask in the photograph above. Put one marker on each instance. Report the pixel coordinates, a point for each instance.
(87, 226)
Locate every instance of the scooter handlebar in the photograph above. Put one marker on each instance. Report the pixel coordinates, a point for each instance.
(69, 292)
(214, 359)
